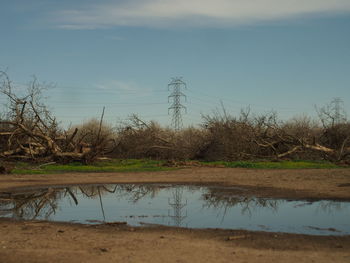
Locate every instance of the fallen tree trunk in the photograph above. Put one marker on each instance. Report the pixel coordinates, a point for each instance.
(32, 133)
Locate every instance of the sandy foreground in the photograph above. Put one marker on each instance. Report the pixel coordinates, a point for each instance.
(38, 241)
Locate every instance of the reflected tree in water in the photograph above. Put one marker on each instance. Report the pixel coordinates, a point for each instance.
(331, 207)
(223, 201)
(42, 203)
(36, 204)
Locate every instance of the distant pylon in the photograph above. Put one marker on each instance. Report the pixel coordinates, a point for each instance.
(337, 104)
(176, 85)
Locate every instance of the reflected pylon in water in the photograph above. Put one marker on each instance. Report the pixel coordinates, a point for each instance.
(101, 204)
(177, 206)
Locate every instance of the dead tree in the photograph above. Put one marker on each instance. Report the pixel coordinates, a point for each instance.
(332, 143)
(265, 137)
(29, 131)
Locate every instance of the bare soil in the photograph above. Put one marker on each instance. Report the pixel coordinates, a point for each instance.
(39, 241)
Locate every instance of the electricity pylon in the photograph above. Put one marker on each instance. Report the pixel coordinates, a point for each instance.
(339, 115)
(176, 85)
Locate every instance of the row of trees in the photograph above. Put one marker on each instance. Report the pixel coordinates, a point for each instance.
(29, 131)
(246, 137)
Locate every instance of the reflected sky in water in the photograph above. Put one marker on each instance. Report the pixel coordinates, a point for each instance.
(185, 206)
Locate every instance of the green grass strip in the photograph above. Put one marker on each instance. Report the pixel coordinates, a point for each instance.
(142, 165)
(277, 165)
(114, 165)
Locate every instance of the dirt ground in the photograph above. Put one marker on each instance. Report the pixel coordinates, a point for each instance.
(34, 241)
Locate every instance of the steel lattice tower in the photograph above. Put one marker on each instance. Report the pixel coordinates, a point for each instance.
(337, 108)
(176, 85)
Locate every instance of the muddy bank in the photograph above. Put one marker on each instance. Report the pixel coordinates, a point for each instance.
(305, 183)
(58, 242)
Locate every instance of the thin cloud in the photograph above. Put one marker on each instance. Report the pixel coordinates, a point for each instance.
(115, 38)
(123, 88)
(118, 86)
(160, 13)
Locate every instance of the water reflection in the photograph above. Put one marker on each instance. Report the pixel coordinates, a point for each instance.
(248, 204)
(30, 205)
(42, 203)
(192, 206)
(132, 192)
(177, 204)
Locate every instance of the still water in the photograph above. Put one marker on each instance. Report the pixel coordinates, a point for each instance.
(177, 205)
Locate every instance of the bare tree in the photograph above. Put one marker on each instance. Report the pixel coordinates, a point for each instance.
(29, 131)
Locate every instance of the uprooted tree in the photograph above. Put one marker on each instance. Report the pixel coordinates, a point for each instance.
(29, 131)
(264, 137)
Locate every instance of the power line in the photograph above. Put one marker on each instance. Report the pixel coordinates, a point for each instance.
(236, 101)
(108, 103)
(83, 89)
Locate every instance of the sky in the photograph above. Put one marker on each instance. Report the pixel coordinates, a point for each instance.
(271, 55)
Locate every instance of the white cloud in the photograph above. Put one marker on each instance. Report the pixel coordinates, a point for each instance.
(193, 12)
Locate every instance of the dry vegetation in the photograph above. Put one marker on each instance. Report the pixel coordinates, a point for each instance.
(29, 131)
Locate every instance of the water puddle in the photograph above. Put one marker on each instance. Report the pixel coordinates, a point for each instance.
(183, 205)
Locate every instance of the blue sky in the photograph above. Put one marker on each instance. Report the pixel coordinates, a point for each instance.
(282, 55)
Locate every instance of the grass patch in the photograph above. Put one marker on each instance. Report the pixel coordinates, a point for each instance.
(114, 165)
(277, 165)
(135, 165)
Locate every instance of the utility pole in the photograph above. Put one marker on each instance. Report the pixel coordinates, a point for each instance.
(176, 85)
